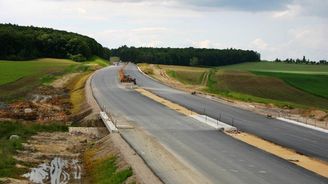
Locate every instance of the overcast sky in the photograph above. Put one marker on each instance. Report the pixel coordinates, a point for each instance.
(275, 28)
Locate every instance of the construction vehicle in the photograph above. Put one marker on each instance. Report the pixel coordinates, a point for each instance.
(126, 78)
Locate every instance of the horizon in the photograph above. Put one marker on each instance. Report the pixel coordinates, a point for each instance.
(275, 29)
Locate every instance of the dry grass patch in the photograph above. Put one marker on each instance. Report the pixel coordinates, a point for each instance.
(146, 68)
(77, 92)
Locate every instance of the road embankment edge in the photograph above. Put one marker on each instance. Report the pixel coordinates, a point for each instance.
(141, 169)
(314, 165)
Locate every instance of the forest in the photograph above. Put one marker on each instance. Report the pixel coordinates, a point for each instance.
(28, 42)
(186, 56)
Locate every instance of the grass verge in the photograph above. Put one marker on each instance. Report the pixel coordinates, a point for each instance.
(8, 148)
(105, 170)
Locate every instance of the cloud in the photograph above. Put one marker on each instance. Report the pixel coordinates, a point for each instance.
(259, 44)
(290, 12)
(244, 5)
(202, 44)
(316, 8)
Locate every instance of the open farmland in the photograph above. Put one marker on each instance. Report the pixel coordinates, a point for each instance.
(293, 85)
(247, 86)
(279, 68)
(14, 70)
(20, 77)
(312, 83)
(309, 78)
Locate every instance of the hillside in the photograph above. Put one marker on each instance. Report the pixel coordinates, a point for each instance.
(18, 78)
(28, 42)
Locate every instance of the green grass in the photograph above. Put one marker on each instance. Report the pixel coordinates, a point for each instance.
(279, 67)
(106, 172)
(99, 61)
(185, 74)
(17, 78)
(14, 70)
(187, 77)
(8, 147)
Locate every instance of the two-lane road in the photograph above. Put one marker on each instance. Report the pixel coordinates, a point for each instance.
(301, 139)
(215, 155)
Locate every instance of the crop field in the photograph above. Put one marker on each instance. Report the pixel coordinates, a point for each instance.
(311, 83)
(295, 85)
(266, 89)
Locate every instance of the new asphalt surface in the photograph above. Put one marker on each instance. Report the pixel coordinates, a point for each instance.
(212, 153)
(303, 140)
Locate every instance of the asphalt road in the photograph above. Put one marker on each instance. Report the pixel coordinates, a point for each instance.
(303, 140)
(218, 156)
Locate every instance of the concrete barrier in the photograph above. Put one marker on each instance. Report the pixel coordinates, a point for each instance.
(108, 122)
(214, 123)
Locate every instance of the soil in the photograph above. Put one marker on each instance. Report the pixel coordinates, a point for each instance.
(62, 82)
(61, 151)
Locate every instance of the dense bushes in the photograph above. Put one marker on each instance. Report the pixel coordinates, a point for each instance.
(27, 42)
(186, 56)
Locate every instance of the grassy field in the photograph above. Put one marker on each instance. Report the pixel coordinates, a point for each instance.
(13, 70)
(291, 85)
(279, 67)
(247, 86)
(186, 75)
(17, 78)
(8, 147)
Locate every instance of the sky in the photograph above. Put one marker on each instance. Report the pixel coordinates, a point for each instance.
(274, 28)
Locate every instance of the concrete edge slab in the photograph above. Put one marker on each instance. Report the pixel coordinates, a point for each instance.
(303, 125)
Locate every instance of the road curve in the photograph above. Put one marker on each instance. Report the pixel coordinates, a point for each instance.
(217, 156)
(303, 140)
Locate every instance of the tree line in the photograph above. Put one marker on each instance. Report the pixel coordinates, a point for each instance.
(28, 42)
(300, 61)
(185, 56)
